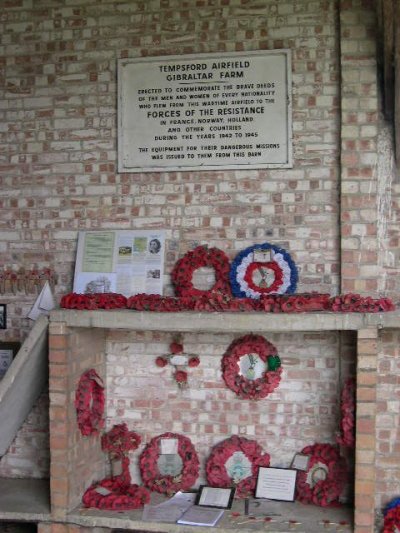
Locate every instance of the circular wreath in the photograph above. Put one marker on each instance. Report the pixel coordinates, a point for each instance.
(252, 279)
(234, 462)
(169, 484)
(391, 521)
(248, 386)
(347, 407)
(89, 403)
(182, 273)
(324, 480)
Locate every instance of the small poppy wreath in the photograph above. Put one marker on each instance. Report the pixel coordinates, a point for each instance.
(255, 352)
(234, 462)
(89, 403)
(252, 276)
(347, 407)
(154, 480)
(116, 493)
(391, 521)
(119, 440)
(324, 480)
(182, 273)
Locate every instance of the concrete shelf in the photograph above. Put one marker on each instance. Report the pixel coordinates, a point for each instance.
(25, 500)
(308, 518)
(225, 322)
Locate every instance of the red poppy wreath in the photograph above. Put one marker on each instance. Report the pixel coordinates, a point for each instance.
(89, 403)
(325, 478)
(234, 462)
(347, 408)
(251, 367)
(182, 273)
(168, 470)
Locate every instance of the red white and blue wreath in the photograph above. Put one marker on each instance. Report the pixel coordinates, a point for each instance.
(263, 269)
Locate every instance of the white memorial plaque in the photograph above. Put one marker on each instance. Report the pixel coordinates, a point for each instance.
(209, 111)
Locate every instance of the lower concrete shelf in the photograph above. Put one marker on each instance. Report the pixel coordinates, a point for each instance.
(283, 517)
(25, 500)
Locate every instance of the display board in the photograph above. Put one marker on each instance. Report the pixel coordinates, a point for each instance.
(209, 111)
(126, 262)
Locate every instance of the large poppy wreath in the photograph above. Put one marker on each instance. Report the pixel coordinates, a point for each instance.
(324, 480)
(251, 367)
(182, 273)
(234, 462)
(169, 473)
(262, 269)
(89, 403)
(347, 408)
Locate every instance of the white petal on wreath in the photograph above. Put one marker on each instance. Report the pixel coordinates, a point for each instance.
(285, 267)
(240, 273)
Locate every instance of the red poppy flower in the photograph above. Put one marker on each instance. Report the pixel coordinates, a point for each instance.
(194, 361)
(181, 376)
(176, 347)
(161, 362)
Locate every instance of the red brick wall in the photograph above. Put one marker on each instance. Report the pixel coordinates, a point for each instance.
(58, 136)
(58, 149)
(302, 410)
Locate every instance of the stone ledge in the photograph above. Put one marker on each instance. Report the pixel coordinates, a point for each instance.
(224, 322)
(25, 500)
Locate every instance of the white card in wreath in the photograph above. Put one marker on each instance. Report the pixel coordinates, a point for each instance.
(170, 464)
(262, 256)
(251, 366)
(103, 491)
(168, 446)
(179, 360)
(238, 467)
(300, 462)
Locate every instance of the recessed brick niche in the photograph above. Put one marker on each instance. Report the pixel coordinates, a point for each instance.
(122, 345)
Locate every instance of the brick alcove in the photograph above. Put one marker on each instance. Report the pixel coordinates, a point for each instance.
(78, 342)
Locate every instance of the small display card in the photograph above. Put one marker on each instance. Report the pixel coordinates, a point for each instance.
(276, 484)
(215, 497)
(300, 462)
(168, 446)
(262, 256)
(103, 491)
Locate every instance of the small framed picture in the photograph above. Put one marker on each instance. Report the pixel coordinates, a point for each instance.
(8, 351)
(215, 497)
(276, 484)
(3, 316)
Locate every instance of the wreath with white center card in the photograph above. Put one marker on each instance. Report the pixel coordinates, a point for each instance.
(234, 462)
(169, 463)
(251, 367)
(263, 269)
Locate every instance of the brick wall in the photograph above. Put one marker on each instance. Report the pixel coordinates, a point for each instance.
(58, 136)
(58, 151)
(302, 410)
(388, 419)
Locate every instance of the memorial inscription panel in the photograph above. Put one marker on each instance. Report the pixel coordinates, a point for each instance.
(209, 111)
